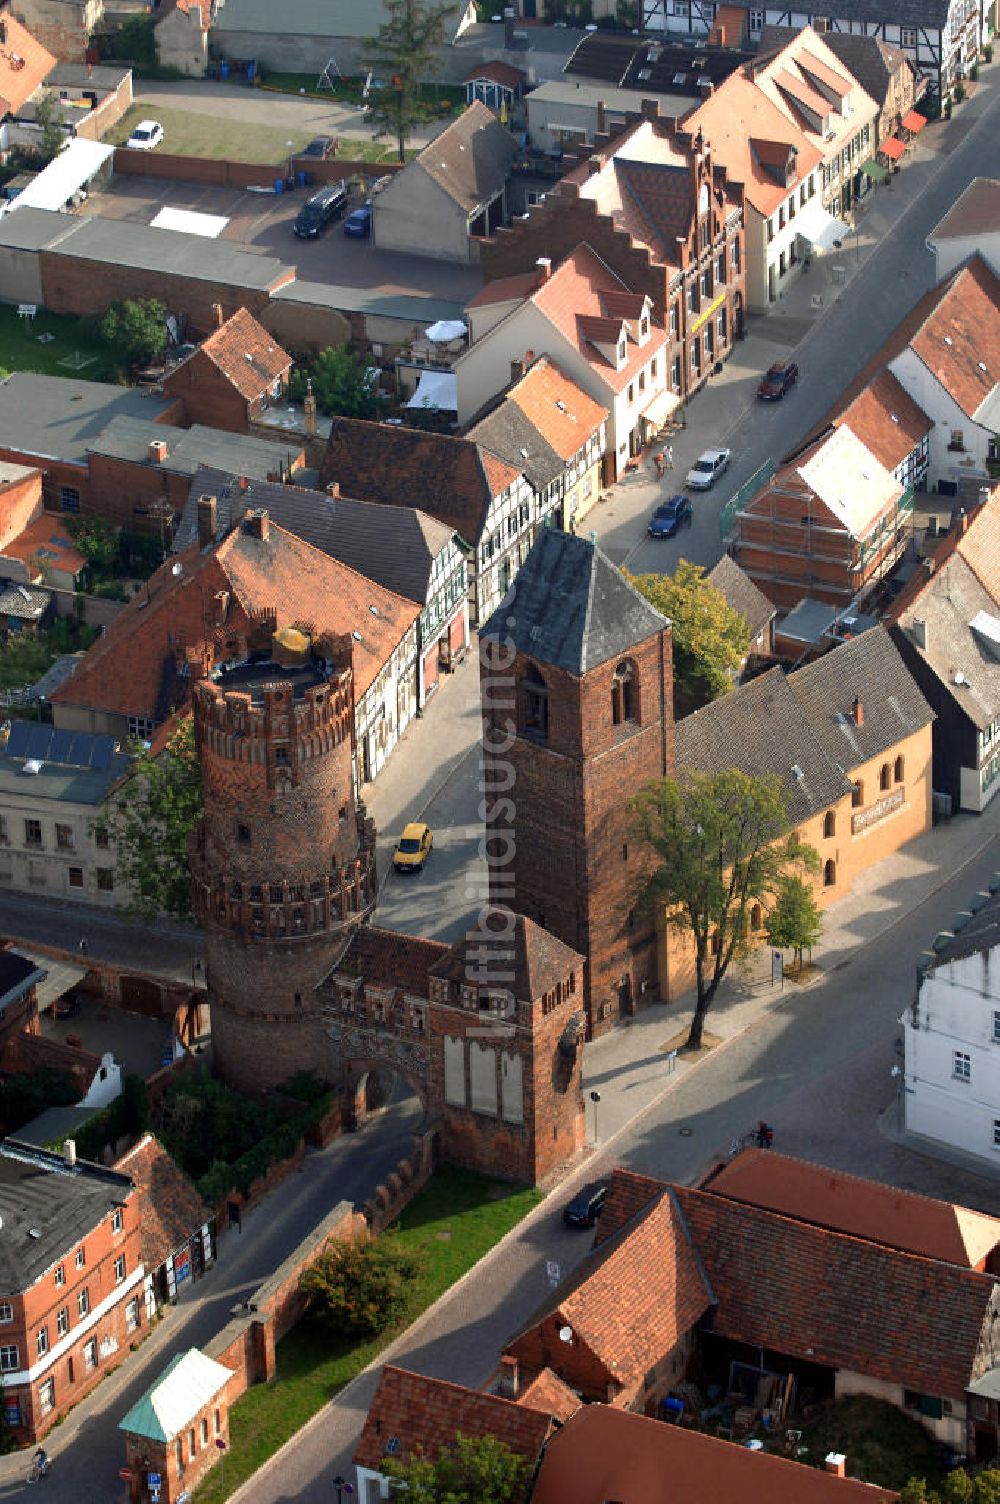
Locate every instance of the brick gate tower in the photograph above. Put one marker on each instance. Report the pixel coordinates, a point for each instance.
(283, 860)
(577, 692)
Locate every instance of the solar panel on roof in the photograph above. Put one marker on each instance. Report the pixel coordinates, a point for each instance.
(79, 749)
(103, 752)
(40, 741)
(17, 741)
(61, 743)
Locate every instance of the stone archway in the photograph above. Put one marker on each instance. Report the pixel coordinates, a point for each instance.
(373, 1087)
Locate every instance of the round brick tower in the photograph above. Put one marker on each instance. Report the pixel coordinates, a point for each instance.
(283, 859)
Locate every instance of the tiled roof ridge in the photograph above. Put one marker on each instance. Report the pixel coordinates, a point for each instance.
(463, 1389)
(957, 1272)
(777, 1157)
(695, 1251)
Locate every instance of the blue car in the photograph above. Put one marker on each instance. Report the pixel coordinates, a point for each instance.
(669, 517)
(359, 223)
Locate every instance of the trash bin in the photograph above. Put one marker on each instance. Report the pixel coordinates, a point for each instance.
(224, 70)
(251, 71)
(279, 185)
(302, 178)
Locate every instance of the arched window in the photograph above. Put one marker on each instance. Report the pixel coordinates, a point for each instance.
(829, 824)
(898, 770)
(830, 874)
(857, 794)
(885, 777)
(756, 917)
(624, 695)
(534, 705)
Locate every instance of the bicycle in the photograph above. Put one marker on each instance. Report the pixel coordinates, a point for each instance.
(39, 1470)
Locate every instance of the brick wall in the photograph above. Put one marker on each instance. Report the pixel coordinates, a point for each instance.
(307, 328)
(576, 866)
(110, 109)
(207, 395)
(20, 503)
(224, 173)
(399, 1188)
(25, 1053)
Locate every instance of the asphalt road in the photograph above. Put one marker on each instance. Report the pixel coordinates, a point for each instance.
(161, 949)
(894, 274)
(816, 1065)
(87, 1449)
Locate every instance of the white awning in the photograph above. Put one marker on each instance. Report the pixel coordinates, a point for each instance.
(437, 389)
(65, 175)
(658, 409)
(190, 222)
(820, 228)
(60, 976)
(445, 330)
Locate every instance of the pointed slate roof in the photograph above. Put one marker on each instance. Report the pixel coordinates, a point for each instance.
(571, 607)
(187, 1383)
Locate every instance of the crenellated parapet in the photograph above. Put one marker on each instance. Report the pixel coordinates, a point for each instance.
(273, 726)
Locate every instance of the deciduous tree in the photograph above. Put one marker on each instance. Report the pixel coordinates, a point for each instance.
(795, 922)
(710, 638)
(49, 115)
(721, 842)
(344, 382)
(472, 1470)
(135, 329)
(361, 1288)
(402, 51)
(149, 824)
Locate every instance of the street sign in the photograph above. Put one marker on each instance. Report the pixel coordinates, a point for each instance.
(220, 1443)
(154, 1496)
(126, 1473)
(153, 1479)
(778, 968)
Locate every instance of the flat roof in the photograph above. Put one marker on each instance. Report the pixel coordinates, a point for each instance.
(589, 94)
(413, 307)
(46, 1207)
(58, 417)
(120, 242)
(128, 438)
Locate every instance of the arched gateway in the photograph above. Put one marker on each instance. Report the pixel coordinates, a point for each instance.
(488, 1032)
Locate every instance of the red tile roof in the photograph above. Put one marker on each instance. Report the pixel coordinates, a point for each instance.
(959, 339)
(24, 63)
(603, 1453)
(418, 1414)
(976, 211)
(547, 1392)
(886, 419)
(454, 480)
(562, 412)
(841, 1301)
(531, 961)
(655, 1262)
(47, 543)
(628, 1194)
(246, 354)
(387, 958)
(507, 289)
(170, 1209)
(863, 1208)
(498, 73)
(132, 668)
(573, 300)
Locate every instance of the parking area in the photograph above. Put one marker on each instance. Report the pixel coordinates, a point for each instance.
(262, 222)
(139, 1044)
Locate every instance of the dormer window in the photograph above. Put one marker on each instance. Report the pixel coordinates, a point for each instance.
(644, 327)
(622, 350)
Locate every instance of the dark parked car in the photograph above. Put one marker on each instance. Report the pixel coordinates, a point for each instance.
(359, 222)
(319, 146)
(778, 380)
(67, 1006)
(587, 1205)
(319, 212)
(669, 517)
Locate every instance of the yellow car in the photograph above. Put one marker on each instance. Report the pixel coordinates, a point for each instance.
(413, 848)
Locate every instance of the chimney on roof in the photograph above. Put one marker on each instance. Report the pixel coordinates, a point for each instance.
(507, 1378)
(705, 87)
(257, 523)
(836, 1463)
(243, 483)
(208, 520)
(544, 264)
(516, 370)
(595, 164)
(963, 523)
(3, 33)
(69, 1152)
(309, 410)
(858, 712)
(918, 631)
(649, 109)
(217, 315)
(529, 357)
(333, 489)
(602, 117)
(929, 566)
(157, 451)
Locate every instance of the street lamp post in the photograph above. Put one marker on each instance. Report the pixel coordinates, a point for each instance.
(344, 1489)
(595, 1097)
(290, 146)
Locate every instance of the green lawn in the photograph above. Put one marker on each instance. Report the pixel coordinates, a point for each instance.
(438, 99)
(194, 135)
(74, 349)
(456, 1219)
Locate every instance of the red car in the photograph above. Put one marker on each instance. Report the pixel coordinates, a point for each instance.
(778, 380)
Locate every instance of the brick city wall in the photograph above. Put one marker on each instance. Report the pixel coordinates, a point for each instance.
(84, 288)
(412, 1173)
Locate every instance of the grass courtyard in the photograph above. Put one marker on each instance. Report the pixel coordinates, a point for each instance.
(52, 345)
(189, 134)
(454, 1221)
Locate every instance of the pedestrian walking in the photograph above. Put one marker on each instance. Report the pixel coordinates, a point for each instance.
(670, 456)
(660, 464)
(82, 947)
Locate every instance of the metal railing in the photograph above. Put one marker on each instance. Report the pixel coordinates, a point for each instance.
(759, 478)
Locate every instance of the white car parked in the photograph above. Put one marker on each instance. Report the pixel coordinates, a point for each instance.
(147, 134)
(706, 469)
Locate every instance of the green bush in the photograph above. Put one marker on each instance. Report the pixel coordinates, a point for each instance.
(24, 1097)
(974, 72)
(360, 1289)
(959, 92)
(132, 40)
(126, 1117)
(988, 52)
